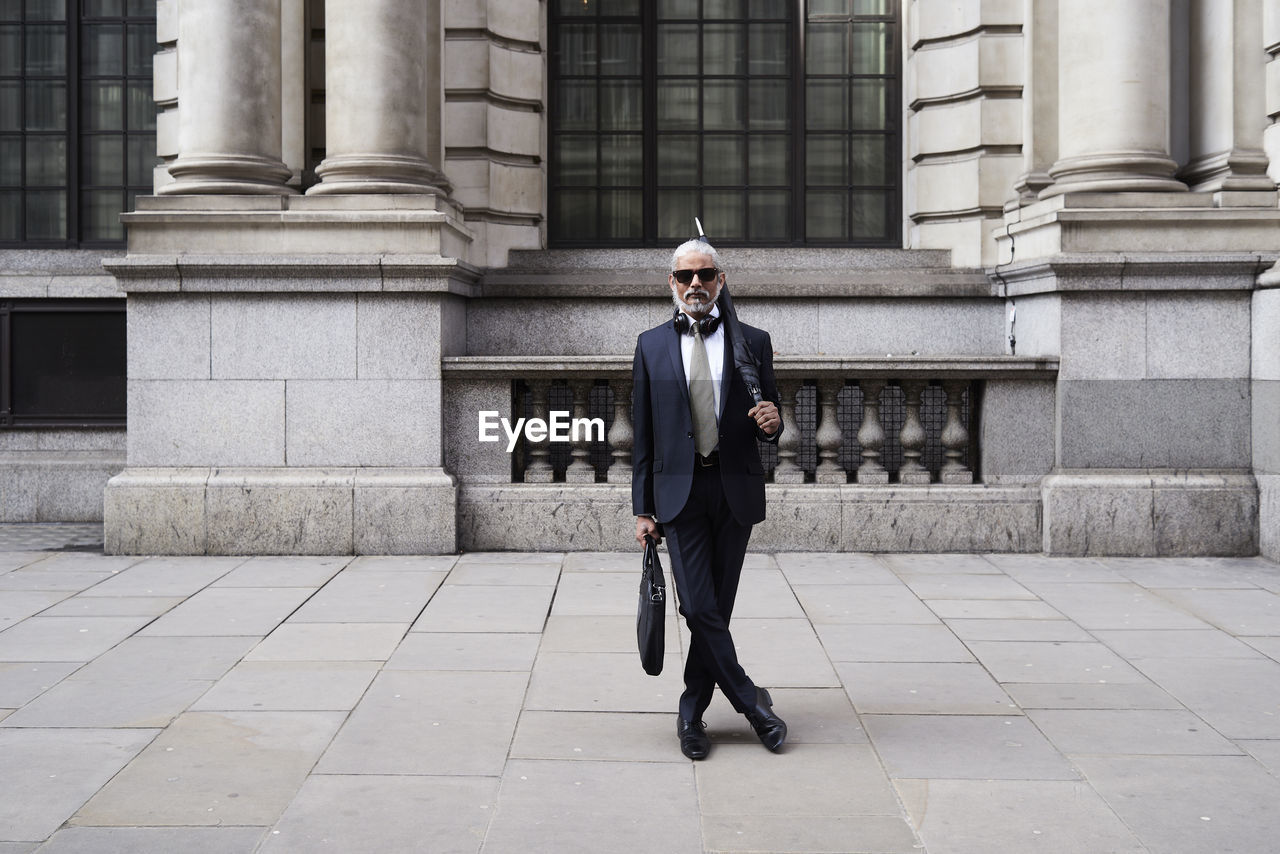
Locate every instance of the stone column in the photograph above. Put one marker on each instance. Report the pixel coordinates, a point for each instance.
(229, 100)
(1113, 98)
(1228, 97)
(1039, 97)
(378, 56)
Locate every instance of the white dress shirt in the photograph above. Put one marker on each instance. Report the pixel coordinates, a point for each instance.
(715, 355)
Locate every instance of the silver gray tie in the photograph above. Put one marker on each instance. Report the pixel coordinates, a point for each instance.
(702, 399)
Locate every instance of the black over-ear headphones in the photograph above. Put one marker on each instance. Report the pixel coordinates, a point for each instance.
(706, 325)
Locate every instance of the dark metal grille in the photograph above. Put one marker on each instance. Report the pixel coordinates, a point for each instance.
(775, 121)
(77, 120)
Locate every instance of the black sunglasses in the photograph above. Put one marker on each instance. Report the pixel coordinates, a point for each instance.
(706, 274)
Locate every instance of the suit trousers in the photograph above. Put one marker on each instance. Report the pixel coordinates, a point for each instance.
(707, 546)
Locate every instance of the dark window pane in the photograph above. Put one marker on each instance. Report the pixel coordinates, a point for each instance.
(142, 160)
(576, 156)
(826, 215)
(576, 107)
(11, 161)
(577, 49)
(46, 10)
(769, 52)
(723, 105)
(770, 215)
(677, 8)
(870, 214)
(10, 214)
(46, 161)
(103, 107)
(869, 159)
(825, 161)
(46, 50)
(622, 214)
(142, 8)
(619, 7)
(620, 50)
(722, 8)
(677, 160)
(46, 212)
(46, 105)
(621, 105)
(10, 10)
(100, 214)
(10, 50)
(827, 104)
(828, 7)
(769, 104)
(724, 49)
(677, 49)
(621, 161)
(103, 8)
(870, 55)
(102, 49)
(575, 215)
(871, 7)
(576, 8)
(676, 210)
(142, 110)
(826, 50)
(142, 48)
(724, 214)
(677, 105)
(770, 160)
(769, 8)
(10, 105)
(68, 363)
(102, 160)
(723, 159)
(869, 104)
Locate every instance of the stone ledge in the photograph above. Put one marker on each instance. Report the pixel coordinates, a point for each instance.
(968, 367)
(1133, 271)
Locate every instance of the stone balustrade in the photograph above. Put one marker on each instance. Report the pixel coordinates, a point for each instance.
(873, 421)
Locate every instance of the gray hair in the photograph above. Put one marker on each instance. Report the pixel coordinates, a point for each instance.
(695, 245)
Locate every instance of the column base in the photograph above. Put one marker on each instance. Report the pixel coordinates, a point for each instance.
(1114, 172)
(378, 173)
(195, 511)
(1150, 513)
(1235, 170)
(227, 175)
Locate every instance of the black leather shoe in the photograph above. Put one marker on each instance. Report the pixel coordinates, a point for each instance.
(693, 739)
(771, 729)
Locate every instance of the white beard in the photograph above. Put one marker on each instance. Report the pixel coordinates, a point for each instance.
(696, 307)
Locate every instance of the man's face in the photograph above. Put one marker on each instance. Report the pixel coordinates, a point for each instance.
(697, 297)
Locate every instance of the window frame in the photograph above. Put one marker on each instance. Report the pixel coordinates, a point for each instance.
(797, 135)
(9, 307)
(75, 19)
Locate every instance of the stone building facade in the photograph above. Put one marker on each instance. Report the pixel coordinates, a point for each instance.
(1019, 259)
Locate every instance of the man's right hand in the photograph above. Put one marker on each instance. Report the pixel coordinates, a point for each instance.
(646, 527)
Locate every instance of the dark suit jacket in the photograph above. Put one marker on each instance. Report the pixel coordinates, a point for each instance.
(663, 457)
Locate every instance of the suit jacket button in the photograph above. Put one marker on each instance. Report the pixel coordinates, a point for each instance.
(690, 435)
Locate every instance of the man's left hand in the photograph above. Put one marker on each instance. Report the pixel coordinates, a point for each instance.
(766, 417)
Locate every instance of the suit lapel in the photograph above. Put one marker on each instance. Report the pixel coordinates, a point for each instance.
(677, 361)
(727, 372)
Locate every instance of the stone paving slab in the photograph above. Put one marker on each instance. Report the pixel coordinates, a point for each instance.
(953, 704)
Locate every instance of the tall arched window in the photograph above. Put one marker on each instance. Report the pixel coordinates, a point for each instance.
(772, 131)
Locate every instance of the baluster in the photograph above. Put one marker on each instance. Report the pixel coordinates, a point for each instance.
(955, 436)
(828, 435)
(787, 470)
(912, 435)
(871, 434)
(538, 468)
(621, 435)
(580, 470)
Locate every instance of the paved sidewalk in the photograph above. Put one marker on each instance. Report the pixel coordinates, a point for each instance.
(951, 704)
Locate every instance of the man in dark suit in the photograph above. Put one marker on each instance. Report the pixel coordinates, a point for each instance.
(698, 481)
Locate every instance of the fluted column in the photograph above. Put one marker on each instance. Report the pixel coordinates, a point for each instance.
(377, 79)
(1039, 96)
(1113, 98)
(229, 138)
(1228, 97)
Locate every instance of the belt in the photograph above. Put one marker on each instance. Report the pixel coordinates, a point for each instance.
(709, 461)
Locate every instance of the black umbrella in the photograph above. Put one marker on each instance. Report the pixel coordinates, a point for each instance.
(743, 359)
